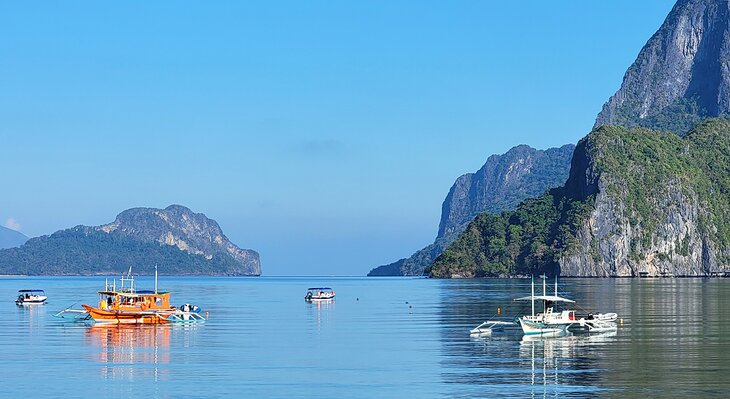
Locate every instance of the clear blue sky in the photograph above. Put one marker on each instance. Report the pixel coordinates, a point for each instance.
(324, 134)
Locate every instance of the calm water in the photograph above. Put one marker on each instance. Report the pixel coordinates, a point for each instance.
(382, 337)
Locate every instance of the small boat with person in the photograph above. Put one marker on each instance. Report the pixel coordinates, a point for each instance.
(30, 297)
(319, 294)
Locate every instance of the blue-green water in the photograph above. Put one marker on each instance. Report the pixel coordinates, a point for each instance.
(382, 337)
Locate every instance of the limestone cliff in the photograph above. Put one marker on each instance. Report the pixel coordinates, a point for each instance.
(499, 185)
(637, 203)
(681, 76)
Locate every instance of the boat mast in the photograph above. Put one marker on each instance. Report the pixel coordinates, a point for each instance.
(156, 279)
(556, 285)
(532, 297)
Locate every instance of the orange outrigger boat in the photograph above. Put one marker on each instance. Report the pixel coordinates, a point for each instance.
(128, 305)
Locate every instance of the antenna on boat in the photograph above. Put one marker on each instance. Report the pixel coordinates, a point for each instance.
(155, 279)
(556, 285)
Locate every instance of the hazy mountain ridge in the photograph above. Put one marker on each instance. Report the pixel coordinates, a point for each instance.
(10, 238)
(500, 184)
(175, 239)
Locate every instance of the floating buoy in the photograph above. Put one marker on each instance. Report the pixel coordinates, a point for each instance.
(499, 311)
(621, 321)
(206, 315)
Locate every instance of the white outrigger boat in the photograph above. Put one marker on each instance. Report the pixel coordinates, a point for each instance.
(30, 297)
(551, 321)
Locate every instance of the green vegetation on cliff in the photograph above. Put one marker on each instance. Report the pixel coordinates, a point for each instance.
(524, 241)
(635, 168)
(81, 251)
(175, 239)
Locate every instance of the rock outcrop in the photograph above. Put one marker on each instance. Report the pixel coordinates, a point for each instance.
(637, 203)
(175, 239)
(502, 183)
(681, 76)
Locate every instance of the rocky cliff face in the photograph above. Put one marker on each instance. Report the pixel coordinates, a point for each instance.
(502, 183)
(637, 203)
(676, 226)
(178, 226)
(499, 185)
(681, 76)
(175, 239)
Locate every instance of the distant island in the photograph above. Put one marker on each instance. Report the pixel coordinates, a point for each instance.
(177, 240)
(10, 238)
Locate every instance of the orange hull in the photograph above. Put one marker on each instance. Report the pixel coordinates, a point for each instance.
(126, 316)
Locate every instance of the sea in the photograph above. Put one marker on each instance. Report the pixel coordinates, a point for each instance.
(380, 338)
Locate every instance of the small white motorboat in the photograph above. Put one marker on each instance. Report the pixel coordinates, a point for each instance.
(319, 294)
(30, 297)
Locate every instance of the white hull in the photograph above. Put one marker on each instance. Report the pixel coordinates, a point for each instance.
(536, 328)
(31, 301)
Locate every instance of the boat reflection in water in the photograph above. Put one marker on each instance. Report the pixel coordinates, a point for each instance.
(320, 312)
(556, 361)
(126, 351)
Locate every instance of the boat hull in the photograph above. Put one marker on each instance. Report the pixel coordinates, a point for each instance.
(537, 328)
(125, 316)
(30, 301)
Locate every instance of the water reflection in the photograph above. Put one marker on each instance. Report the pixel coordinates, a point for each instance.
(125, 350)
(33, 316)
(320, 312)
(563, 365)
(509, 363)
(673, 340)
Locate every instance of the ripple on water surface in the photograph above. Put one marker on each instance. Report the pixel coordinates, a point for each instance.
(384, 337)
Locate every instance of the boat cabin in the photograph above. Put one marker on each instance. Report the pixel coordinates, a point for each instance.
(134, 300)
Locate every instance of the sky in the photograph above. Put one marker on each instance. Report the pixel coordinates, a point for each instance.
(323, 134)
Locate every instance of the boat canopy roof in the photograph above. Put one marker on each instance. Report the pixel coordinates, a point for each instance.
(551, 298)
(136, 293)
(31, 291)
(320, 288)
